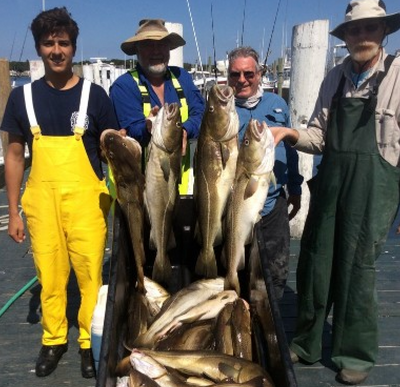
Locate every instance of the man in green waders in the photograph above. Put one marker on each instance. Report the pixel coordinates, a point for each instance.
(356, 127)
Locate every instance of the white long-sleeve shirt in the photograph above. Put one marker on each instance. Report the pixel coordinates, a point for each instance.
(387, 114)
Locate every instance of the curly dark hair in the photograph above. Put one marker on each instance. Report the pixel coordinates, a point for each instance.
(54, 21)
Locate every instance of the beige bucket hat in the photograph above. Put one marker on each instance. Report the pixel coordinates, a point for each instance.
(152, 29)
(367, 9)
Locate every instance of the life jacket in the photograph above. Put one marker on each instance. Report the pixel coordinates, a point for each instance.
(184, 109)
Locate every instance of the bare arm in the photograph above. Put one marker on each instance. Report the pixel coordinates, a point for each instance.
(14, 172)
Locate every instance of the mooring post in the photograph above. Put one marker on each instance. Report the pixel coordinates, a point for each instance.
(309, 54)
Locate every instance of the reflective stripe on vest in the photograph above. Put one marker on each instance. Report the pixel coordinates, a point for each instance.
(184, 109)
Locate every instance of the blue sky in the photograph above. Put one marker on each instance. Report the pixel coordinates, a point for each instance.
(104, 24)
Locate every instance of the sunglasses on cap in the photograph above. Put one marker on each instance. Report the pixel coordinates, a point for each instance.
(356, 30)
(247, 74)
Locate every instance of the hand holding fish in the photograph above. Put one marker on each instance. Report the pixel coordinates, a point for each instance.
(151, 117)
(123, 132)
(281, 133)
(184, 141)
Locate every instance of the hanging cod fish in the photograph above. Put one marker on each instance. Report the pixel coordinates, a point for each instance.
(124, 156)
(214, 171)
(163, 171)
(250, 189)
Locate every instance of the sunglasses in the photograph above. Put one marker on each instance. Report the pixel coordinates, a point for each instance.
(247, 74)
(356, 30)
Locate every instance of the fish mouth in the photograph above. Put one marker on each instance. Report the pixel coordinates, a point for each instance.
(258, 129)
(224, 93)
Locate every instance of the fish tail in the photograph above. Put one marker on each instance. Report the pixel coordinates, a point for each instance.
(162, 270)
(206, 264)
(232, 282)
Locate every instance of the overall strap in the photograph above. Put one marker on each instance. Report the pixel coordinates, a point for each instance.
(143, 91)
(35, 128)
(79, 127)
(146, 97)
(184, 109)
(374, 92)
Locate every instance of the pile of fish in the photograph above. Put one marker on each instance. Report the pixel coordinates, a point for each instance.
(230, 186)
(202, 334)
(200, 337)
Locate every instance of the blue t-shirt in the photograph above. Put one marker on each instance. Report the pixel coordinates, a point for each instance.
(55, 111)
(128, 103)
(274, 111)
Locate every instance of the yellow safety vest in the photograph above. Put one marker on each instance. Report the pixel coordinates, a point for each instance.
(184, 184)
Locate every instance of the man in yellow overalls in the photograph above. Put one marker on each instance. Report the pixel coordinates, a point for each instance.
(66, 200)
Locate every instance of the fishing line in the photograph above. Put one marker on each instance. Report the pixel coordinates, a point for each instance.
(23, 45)
(244, 17)
(272, 33)
(213, 39)
(195, 40)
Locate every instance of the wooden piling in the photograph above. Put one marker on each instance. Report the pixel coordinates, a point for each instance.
(5, 89)
(309, 53)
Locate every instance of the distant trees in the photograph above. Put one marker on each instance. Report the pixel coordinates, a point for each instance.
(19, 67)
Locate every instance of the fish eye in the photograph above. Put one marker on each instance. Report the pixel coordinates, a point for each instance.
(246, 141)
(179, 125)
(211, 109)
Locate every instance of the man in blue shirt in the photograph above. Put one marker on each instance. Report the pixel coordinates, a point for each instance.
(139, 94)
(244, 74)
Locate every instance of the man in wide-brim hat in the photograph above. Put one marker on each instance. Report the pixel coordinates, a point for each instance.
(140, 93)
(356, 127)
(152, 29)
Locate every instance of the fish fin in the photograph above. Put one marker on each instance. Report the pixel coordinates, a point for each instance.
(225, 154)
(152, 241)
(197, 233)
(206, 264)
(251, 188)
(231, 282)
(166, 169)
(231, 372)
(123, 367)
(171, 241)
(162, 270)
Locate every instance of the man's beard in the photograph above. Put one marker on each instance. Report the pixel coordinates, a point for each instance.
(158, 69)
(364, 52)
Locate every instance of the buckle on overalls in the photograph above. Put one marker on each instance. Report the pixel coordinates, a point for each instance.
(35, 130)
(78, 131)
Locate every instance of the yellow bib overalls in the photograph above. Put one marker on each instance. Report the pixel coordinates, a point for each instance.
(66, 208)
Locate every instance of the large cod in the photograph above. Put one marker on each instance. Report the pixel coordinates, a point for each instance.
(124, 157)
(163, 172)
(254, 173)
(214, 172)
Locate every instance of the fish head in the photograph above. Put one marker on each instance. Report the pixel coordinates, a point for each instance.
(257, 150)
(167, 128)
(221, 121)
(146, 364)
(123, 153)
(139, 379)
